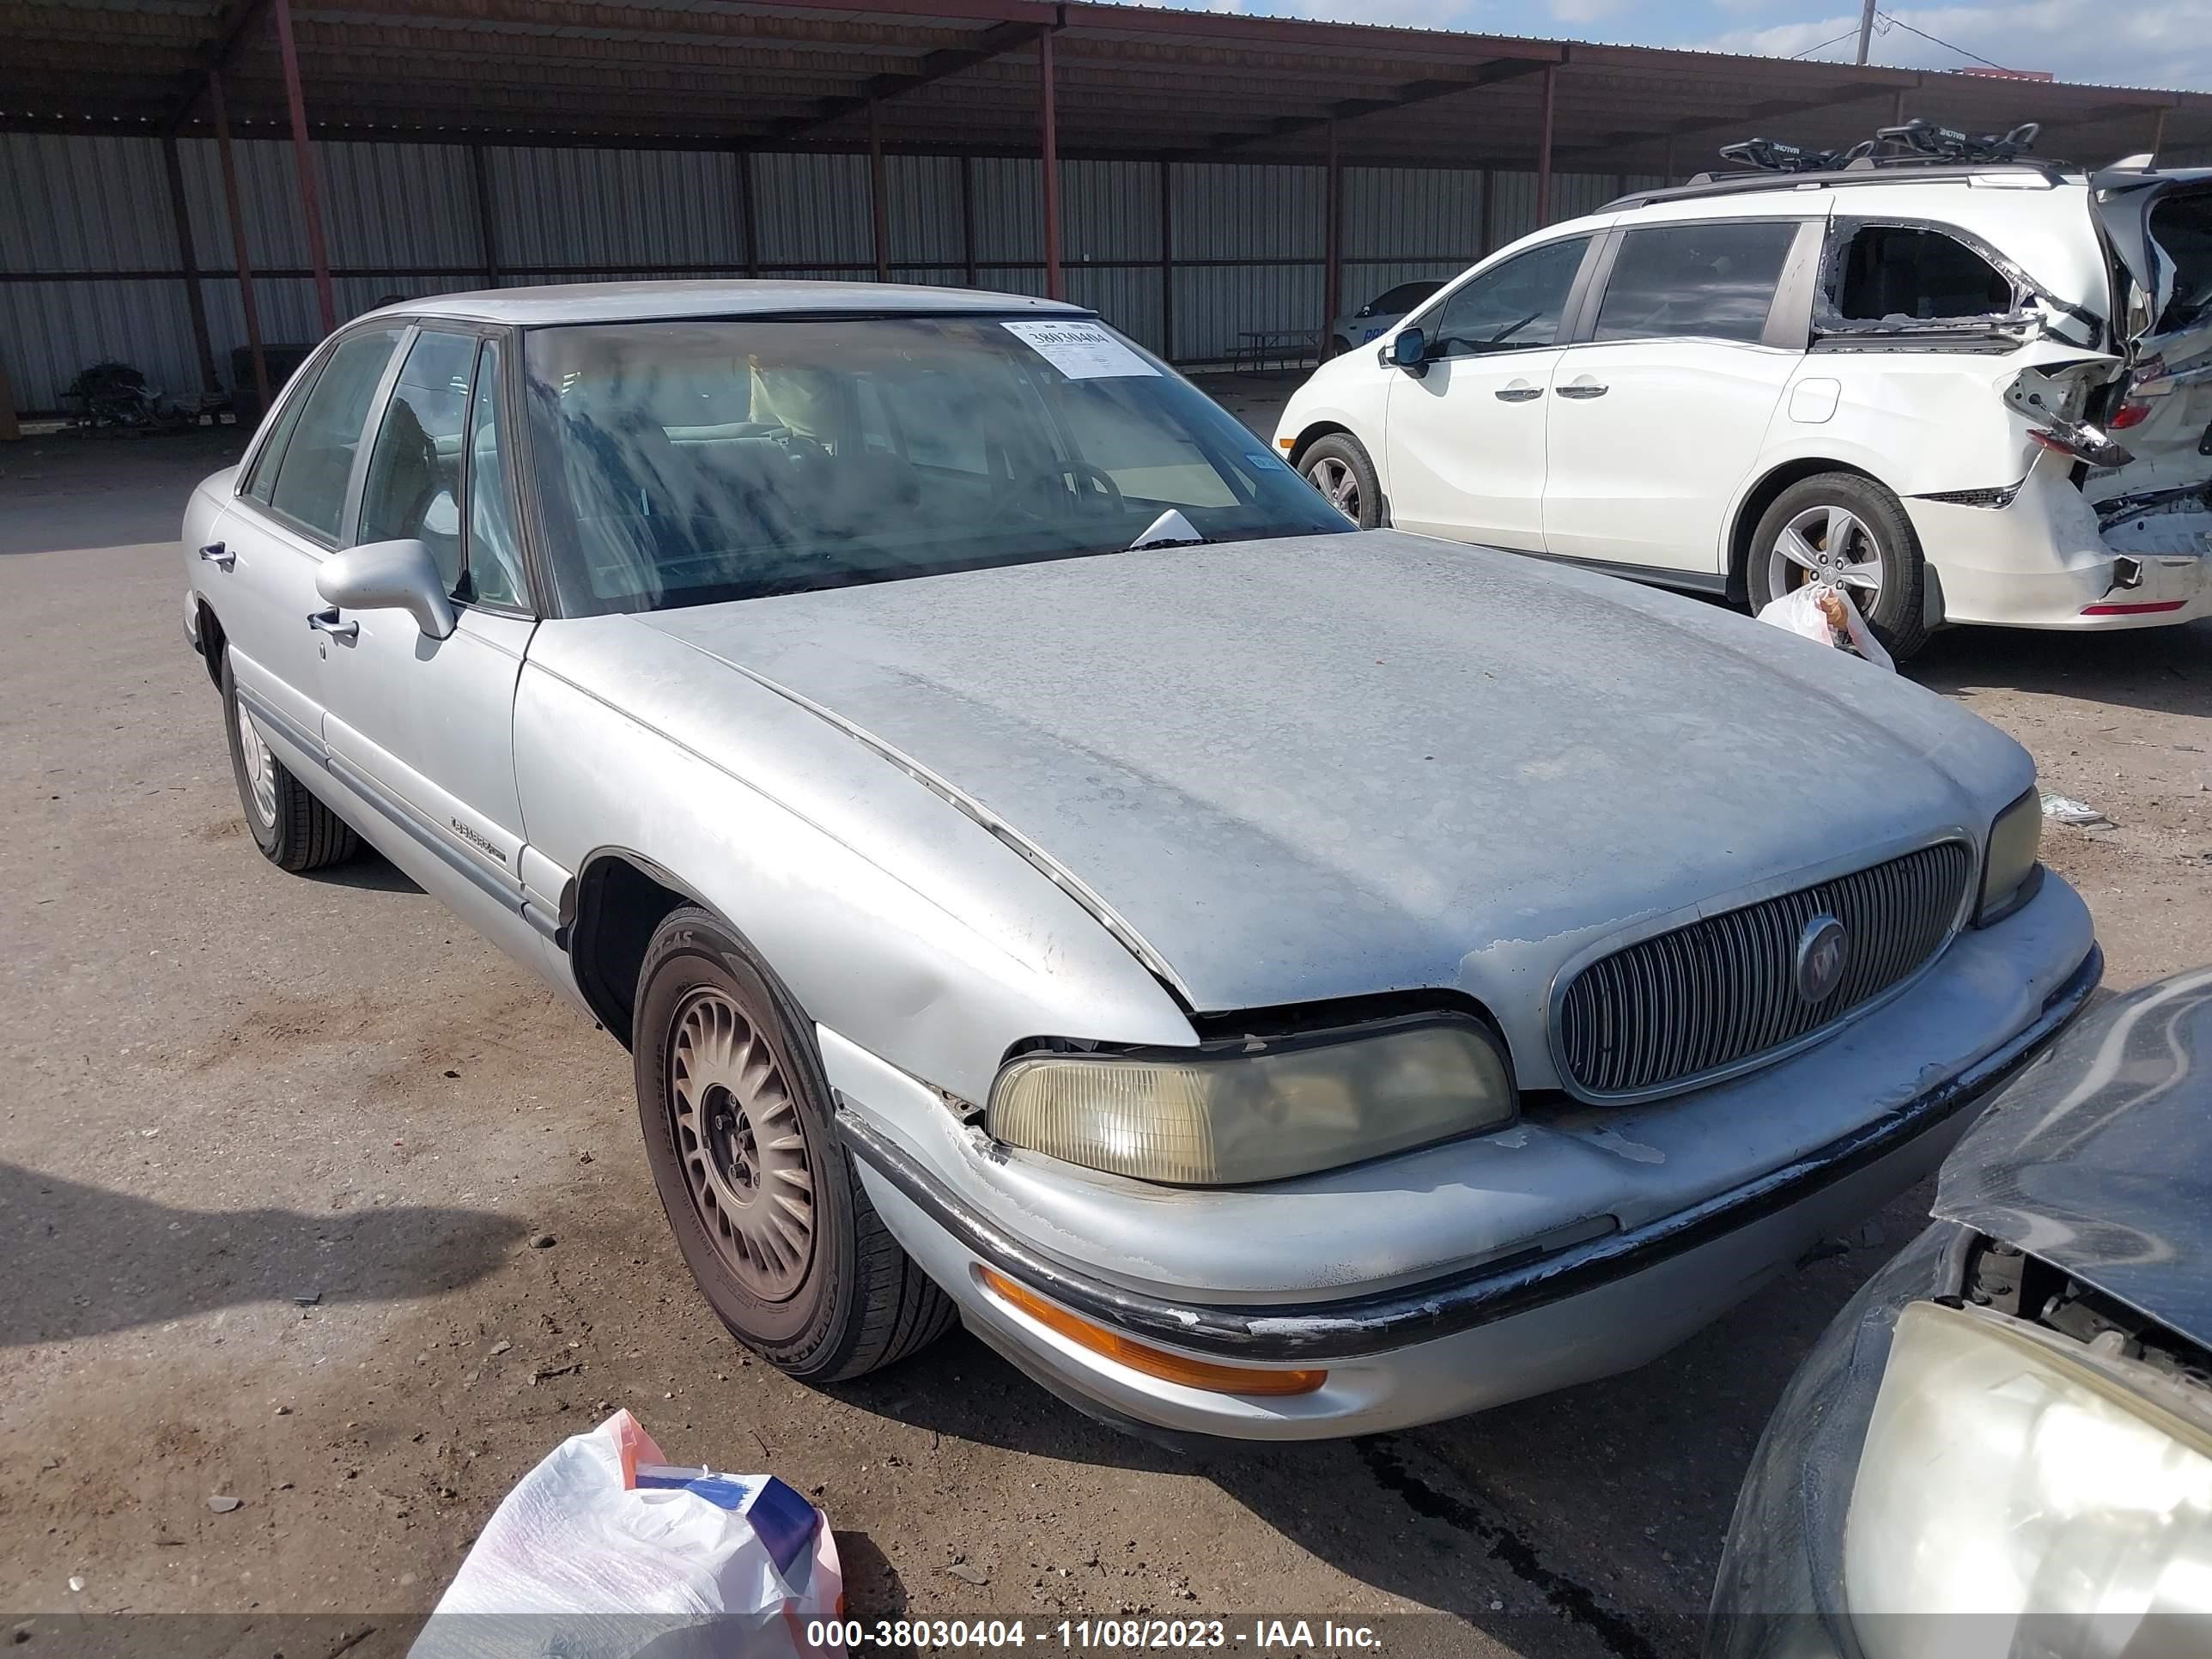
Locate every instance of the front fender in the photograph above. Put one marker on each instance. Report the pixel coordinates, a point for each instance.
(894, 919)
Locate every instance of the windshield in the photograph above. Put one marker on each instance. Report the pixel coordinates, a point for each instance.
(683, 462)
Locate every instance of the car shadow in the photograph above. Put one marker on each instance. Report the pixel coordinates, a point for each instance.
(85, 1260)
(2160, 669)
(1601, 1509)
(369, 871)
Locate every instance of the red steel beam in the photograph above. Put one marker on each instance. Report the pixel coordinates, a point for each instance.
(879, 207)
(1049, 144)
(303, 158)
(1332, 283)
(188, 262)
(1544, 112)
(238, 236)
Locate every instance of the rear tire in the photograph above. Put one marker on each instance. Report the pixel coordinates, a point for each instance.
(294, 830)
(1338, 466)
(766, 1206)
(1851, 528)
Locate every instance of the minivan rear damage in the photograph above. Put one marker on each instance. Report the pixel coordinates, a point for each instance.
(2157, 228)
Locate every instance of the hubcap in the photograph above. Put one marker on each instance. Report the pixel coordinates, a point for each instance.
(743, 1145)
(1828, 545)
(1340, 483)
(260, 766)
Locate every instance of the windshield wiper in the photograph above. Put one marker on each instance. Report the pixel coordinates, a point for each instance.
(1171, 529)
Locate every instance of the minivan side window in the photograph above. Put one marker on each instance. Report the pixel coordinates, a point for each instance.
(1713, 281)
(318, 462)
(1911, 272)
(1516, 307)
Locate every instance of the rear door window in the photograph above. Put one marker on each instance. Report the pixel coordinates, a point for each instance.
(1713, 282)
(1912, 273)
(318, 462)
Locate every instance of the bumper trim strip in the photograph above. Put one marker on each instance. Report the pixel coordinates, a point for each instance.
(1358, 1326)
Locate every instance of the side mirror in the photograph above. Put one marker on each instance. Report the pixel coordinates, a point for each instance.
(389, 576)
(1409, 349)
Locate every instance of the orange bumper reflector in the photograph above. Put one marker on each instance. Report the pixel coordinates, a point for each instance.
(1152, 1362)
(1286, 443)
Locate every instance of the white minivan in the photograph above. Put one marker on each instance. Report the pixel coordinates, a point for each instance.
(1969, 392)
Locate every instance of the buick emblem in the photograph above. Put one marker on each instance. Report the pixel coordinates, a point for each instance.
(1823, 948)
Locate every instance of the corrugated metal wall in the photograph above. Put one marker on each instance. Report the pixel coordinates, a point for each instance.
(90, 268)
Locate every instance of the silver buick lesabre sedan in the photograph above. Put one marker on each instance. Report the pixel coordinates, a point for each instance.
(1267, 979)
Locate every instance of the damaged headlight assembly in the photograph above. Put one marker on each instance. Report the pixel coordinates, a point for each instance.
(2018, 1494)
(2010, 870)
(1253, 1110)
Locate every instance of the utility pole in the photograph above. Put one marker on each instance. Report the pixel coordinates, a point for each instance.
(1866, 28)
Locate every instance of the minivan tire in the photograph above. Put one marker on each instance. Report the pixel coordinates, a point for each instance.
(1338, 466)
(294, 830)
(736, 1113)
(1897, 613)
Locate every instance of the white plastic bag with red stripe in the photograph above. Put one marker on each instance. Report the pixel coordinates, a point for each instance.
(606, 1550)
(1824, 612)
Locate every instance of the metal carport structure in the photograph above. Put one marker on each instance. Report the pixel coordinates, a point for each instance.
(1149, 162)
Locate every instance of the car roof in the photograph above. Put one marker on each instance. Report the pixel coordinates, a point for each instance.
(625, 302)
(1707, 185)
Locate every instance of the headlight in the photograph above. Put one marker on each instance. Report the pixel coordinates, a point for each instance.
(1255, 1110)
(2005, 1479)
(2009, 870)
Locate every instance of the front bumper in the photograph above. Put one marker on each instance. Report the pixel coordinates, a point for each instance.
(1561, 1282)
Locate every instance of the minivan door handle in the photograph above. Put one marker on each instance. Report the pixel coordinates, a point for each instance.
(326, 622)
(216, 554)
(1585, 388)
(1518, 391)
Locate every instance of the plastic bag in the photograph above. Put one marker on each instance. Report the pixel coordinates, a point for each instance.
(606, 1552)
(1824, 612)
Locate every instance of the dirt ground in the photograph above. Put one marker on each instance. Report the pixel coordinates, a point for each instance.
(278, 1158)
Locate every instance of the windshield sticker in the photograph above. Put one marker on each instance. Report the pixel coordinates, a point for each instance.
(1081, 351)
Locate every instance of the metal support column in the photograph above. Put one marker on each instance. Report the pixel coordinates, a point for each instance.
(968, 220)
(188, 262)
(303, 158)
(1544, 146)
(878, 191)
(487, 231)
(749, 212)
(1167, 258)
(2158, 135)
(1332, 286)
(246, 300)
(1489, 232)
(1049, 145)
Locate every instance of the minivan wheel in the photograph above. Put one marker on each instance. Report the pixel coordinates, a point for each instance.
(1339, 467)
(768, 1210)
(1846, 529)
(294, 830)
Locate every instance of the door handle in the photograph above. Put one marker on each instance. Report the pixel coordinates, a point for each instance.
(216, 554)
(1518, 394)
(1581, 389)
(326, 622)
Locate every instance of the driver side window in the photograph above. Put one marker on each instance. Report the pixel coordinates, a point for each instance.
(413, 491)
(1516, 307)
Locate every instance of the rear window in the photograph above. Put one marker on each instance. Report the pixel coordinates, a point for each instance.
(1713, 281)
(1916, 274)
(2182, 228)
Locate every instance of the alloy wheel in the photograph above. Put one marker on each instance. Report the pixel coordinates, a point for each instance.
(742, 1143)
(1826, 543)
(1336, 480)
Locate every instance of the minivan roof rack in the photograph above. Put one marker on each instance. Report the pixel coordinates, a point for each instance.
(1916, 150)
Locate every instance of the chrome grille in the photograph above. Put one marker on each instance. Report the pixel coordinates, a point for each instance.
(1722, 991)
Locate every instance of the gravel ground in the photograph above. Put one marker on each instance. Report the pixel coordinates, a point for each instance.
(309, 1199)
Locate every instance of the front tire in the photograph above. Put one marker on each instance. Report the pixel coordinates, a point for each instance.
(294, 830)
(1338, 466)
(766, 1207)
(1845, 528)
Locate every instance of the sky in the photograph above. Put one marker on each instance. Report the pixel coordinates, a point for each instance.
(2126, 43)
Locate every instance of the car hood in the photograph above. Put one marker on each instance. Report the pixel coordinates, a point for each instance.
(1334, 765)
(2098, 1159)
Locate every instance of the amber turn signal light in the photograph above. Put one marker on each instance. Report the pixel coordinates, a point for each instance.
(1152, 1362)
